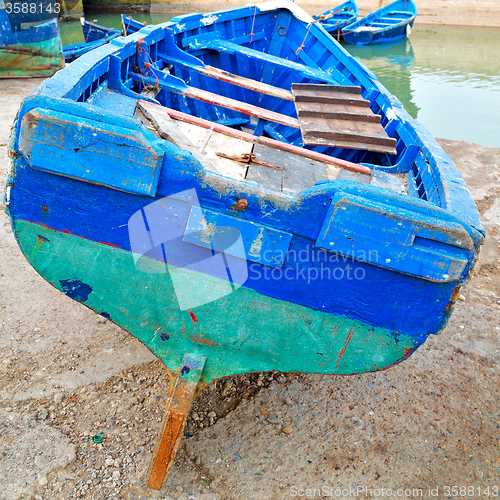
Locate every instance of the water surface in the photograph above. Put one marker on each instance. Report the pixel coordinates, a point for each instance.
(447, 77)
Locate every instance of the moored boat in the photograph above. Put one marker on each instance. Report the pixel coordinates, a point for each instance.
(98, 35)
(130, 25)
(339, 17)
(387, 24)
(30, 43)
(241, 194)
(93, 32)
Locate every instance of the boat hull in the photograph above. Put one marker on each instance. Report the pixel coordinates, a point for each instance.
(32, 53)
(341, 277)
(339, 17)
(388, 24)
(321, 343)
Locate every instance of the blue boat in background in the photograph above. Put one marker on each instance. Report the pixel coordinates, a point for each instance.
(387, 24)
(130, 25)
(99, 35)
(93, 32)
(240, 194)
(30, 42)
(335, 19)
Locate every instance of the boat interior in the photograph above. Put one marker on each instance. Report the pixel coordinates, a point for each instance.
(206, 69)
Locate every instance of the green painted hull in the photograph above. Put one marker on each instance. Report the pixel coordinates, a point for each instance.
(31, 59)
(244, 331)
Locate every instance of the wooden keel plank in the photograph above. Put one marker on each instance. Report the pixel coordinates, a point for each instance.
(313, 155)
(180, 401)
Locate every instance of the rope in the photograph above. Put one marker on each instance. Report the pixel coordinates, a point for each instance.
(140, 47)
(304, 41)
(253, 24)
(126, 27)
(88, 32)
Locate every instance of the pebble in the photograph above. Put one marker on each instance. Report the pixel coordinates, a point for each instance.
(40, 461)
(110, 462)
(281, 379)
(226, 385)
(288, 401)
(274, 420)
(8, 409)
(287, 430)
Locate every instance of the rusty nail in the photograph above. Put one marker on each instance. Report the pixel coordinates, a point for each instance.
(242, 204)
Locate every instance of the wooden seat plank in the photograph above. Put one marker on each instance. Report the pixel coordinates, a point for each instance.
(225, 76)
(225, 102)
(330, 115)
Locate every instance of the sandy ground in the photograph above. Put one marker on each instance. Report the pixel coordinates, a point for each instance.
(449, 12)
(418, 429)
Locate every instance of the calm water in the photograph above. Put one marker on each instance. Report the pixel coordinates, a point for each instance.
(447, 77)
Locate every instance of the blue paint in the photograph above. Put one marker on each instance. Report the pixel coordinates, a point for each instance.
(105, 314)
(91, 150)
(76, 290)
(333, 20)
(185, 370)
(388, 24)
(93, 31)
(99, 91)
(164, 336)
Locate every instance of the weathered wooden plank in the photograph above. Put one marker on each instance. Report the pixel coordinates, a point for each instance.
(200, 140)
(242, 107)
(340, 111)
(331, 160)
(313, 87)
(94, 151)
(266, 177)
(181, 399)
(333, 115)
(228, 146)
(298, 174)
(225, 76)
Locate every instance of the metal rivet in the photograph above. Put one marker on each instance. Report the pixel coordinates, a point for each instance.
(242, 203)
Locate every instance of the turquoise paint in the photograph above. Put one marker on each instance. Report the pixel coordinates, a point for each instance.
(243, 331)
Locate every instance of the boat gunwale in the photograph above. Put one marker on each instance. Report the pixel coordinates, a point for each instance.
(453, 189)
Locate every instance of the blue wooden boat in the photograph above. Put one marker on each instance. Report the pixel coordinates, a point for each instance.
(99, 34)
(30, 43)
(93, 32)
(339, 17)
(198, 184)
(130, 25)
(387, 24)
